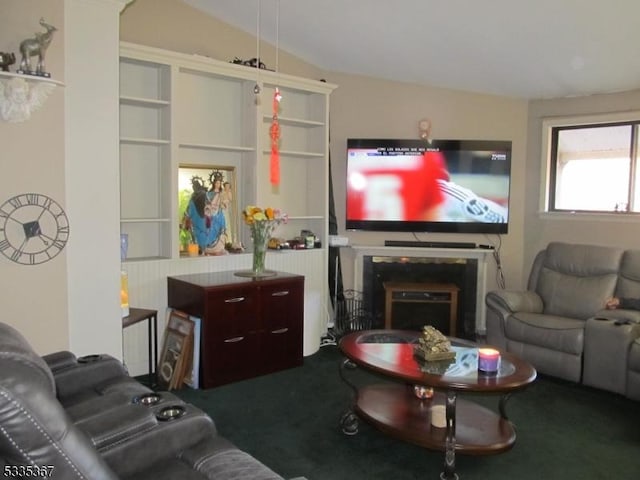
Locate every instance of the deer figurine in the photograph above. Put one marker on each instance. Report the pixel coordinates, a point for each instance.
(36, 46)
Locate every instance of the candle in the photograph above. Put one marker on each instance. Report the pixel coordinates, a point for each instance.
(488, 360)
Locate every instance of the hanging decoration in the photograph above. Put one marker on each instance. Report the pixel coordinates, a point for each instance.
(274, 133)
(256, 88)
(424, 126)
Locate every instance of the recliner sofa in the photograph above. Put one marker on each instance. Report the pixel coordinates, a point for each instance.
(560, 323)
(68, 418)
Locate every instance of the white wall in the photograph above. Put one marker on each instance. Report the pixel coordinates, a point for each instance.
(613, 230)
(34, 298)
(68, 150)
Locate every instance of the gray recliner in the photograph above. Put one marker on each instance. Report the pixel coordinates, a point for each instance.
(545, 324)
(119, 438)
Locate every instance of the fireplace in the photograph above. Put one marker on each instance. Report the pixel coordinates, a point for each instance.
(466, 268)
(461, 272)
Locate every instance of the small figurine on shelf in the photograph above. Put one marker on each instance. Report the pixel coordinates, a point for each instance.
(6, 59)
(37, 45)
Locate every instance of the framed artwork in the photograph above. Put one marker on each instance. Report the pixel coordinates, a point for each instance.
(177, 349)
(207, 208)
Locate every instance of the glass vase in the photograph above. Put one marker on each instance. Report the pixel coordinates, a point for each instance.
(259, 255)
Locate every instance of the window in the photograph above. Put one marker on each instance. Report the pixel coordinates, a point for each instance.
(593, 167)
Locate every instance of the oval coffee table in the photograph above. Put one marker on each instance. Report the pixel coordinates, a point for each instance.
(395, 409)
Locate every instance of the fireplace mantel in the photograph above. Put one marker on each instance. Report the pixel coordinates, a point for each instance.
(479, 254)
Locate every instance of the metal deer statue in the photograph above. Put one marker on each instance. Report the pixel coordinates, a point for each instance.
(36, 46)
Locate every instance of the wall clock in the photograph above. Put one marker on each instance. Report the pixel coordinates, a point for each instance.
(33, 228)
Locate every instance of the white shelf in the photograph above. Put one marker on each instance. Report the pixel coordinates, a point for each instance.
(306, 217)
(35, 89)
(288, 153)
(144, 102)
(144, 220)
(226, 148)
(31, 78)
(295, 122)
(144, 141)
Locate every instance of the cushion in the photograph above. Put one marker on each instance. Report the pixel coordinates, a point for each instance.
(576, 280)
(547, 331)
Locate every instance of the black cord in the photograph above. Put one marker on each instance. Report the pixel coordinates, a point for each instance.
(500, 279)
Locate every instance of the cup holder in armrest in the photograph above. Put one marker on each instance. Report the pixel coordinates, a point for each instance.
(89, 358)
(171, 412)
(147, 399)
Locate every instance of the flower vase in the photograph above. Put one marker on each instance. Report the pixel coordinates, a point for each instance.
(259, 255)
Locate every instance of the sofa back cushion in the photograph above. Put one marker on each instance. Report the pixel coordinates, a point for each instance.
(576, 280)
(14, 347)
(629, 277)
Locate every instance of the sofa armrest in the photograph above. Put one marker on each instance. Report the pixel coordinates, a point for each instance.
(60, 360)
(633, 316)
(509, 301)
(85, 373)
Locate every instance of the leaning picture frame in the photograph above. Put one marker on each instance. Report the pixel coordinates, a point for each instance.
(207, 209)
(177, 350)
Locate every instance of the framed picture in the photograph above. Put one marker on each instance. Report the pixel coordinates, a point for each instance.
(207, 208)
(177, 350)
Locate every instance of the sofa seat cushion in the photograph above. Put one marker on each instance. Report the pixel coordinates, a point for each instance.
(547, 331)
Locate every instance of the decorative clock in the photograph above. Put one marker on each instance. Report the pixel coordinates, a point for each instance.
(33, 228)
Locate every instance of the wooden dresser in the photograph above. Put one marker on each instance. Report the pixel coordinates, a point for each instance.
(250, 327)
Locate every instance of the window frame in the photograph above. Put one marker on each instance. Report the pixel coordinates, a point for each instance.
(548, 170)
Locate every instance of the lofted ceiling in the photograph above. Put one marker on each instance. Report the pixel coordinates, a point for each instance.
(519, 48)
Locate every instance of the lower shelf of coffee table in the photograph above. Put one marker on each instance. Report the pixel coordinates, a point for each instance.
(396, 411)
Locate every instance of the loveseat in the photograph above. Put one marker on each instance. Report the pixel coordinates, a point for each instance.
(67, 418)
(560, 323)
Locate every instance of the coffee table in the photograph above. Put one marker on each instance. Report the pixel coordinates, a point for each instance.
(396, 410)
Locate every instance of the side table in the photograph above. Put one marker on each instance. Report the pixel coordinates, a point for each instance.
(137, 315)
(421, 293)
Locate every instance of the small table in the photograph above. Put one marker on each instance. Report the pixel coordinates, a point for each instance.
(137, 315)
(421, 293)
(396, 410)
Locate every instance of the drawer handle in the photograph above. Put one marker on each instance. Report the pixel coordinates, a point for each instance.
(234, 340)
(281, 330)
(234, 300)
(281, 293)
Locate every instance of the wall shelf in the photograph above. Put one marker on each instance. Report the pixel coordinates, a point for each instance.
(21, 95)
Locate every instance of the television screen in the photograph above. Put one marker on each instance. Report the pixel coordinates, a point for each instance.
(459, 186)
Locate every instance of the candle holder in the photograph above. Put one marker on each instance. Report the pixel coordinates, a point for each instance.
(488, 360)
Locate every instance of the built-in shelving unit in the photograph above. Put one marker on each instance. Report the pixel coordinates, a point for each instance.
(145, 157)
(189, 110)
(178, 109)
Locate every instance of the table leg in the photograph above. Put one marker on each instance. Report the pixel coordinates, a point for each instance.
(449, 472)
(149, 333)
(349, 420)
(154, 376)
(503, 405)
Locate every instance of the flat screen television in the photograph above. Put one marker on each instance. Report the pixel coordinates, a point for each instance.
(453, 186)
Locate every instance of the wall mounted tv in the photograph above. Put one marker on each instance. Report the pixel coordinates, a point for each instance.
(454, 186)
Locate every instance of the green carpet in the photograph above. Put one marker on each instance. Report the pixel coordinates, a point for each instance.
(290, 422)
